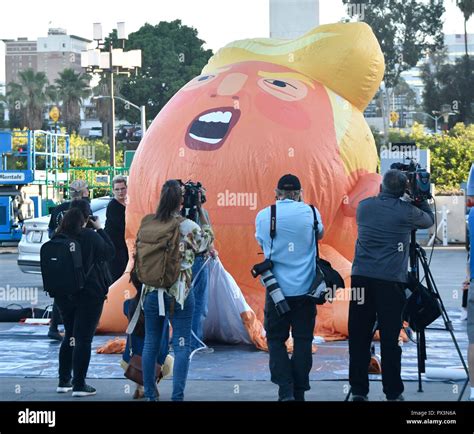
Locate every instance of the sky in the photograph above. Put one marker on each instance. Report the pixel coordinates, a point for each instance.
(217, 21)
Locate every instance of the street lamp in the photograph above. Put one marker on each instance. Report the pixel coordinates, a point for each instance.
(444, 115)
(113, 61)
(141, 109)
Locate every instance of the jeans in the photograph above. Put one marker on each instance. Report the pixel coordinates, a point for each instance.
(134, 344)
(181, 322)
(55, 318)
(201, 295)
(291, 375)
(80, 318)
(383, 302)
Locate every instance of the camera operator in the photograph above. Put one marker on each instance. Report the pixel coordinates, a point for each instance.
(380, 267)
(81, 312)
(292, 252)
(195, 196)
(77, 190)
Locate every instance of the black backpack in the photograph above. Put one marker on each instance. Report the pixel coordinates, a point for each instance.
(61, 266)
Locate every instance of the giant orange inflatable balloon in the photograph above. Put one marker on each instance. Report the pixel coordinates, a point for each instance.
(262, 108)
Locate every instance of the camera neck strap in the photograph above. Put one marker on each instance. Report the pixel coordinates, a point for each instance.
(273, 217)
(316, 231)
(273, 228)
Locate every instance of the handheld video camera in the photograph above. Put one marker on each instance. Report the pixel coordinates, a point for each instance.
(419, 187)
(194, 193)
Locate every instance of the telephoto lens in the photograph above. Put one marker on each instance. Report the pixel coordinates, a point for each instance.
(263, 269)
(269, 281)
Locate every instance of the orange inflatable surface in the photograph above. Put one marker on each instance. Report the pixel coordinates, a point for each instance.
(262, 108)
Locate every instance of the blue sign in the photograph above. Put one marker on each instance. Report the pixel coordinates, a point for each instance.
(16, 177)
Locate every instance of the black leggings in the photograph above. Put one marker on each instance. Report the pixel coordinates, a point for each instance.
(80, 319)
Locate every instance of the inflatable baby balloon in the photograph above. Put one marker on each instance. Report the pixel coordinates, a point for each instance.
(260, 109)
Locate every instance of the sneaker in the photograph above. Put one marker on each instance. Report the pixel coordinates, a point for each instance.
(64, 387)
(85, 390)
(463, 314)
(359, 398)
(55, 335)
(398, 398)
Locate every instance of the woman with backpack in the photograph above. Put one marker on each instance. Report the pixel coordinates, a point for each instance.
(174, 299)
(81, 311)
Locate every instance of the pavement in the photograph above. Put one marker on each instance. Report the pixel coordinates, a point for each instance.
(448, 267)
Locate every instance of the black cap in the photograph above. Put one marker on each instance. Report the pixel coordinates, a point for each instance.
(289, 182)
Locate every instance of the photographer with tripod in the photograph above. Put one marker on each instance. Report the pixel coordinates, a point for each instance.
(385, 224)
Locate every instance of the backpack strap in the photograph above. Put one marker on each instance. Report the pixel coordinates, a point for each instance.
(316, 230)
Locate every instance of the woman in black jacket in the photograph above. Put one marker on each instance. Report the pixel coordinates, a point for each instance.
(81, 312)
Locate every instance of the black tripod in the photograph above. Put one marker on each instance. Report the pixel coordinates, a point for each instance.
(418, 255)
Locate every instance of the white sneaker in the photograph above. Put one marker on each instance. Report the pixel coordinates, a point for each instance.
(463, 314)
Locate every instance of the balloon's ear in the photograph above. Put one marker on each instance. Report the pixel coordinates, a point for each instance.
(346, 57)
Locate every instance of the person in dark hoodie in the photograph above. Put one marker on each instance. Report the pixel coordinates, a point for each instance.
(115, 226)
(81, 312)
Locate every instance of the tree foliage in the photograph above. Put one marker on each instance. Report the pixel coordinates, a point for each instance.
(406, 30)
(172, 54)
(451, 153)
(72, 88)
(452, 85)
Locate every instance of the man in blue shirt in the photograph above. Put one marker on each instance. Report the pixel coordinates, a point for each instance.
(293, 255)
(470, 297)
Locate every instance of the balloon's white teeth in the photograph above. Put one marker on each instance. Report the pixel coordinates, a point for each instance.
(205, 139)
(218, 116)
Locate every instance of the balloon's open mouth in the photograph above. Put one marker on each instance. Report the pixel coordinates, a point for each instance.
(209, 130)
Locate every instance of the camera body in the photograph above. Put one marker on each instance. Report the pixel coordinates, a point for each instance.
(194, 193)
(268, 280)
(419, 187)
(92, 218)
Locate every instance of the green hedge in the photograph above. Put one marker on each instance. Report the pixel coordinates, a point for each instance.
(451, 154)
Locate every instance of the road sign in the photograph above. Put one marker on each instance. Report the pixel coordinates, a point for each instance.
(129, 158)
(54, 114)
(394, 117)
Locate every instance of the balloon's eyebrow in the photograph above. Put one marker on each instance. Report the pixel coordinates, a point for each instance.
(282, 75)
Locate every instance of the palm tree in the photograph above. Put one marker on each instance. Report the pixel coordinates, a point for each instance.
(467, 8)
(72, 88)
(29, 97)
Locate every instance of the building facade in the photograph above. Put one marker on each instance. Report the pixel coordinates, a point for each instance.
(51, 55)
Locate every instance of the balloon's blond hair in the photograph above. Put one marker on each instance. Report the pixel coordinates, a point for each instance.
(346, 58)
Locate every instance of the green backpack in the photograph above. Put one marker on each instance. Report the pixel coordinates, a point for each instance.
(158, 251)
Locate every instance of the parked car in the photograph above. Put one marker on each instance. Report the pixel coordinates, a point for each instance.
(35, 234)
(95, 133)
(129, 133)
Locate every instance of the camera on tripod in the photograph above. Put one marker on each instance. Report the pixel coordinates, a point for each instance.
(419, 187)
(194, 194)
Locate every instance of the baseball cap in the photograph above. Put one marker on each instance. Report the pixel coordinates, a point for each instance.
(78, 185)
(289, 182)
